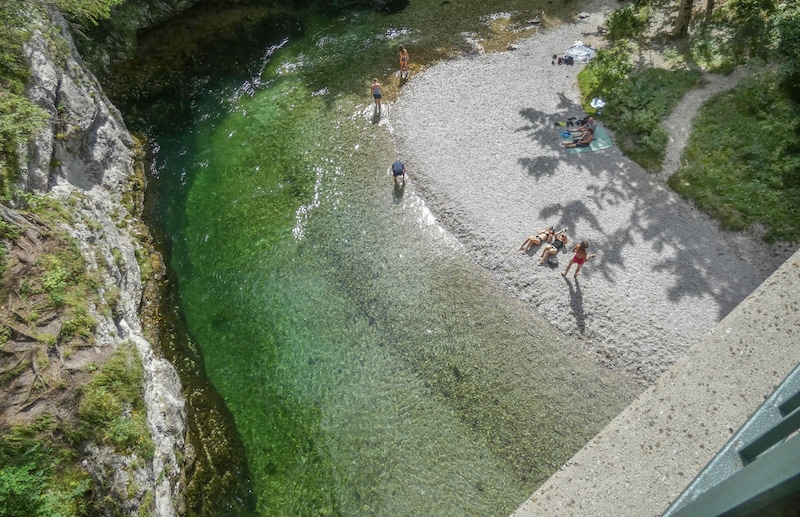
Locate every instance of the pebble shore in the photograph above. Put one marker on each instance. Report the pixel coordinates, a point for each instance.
(479, 138)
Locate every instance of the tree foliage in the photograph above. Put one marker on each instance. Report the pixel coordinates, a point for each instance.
(19, 118)
(87, 10)
(630, 21)
(788, 33)
(750, 24)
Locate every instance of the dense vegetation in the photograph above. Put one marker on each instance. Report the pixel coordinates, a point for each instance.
(47, 321)
(18, 116)
(746, 170)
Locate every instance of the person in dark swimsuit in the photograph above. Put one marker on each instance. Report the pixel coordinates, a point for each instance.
(579, 258)
(377, 93)
(590, 125)
(545, 235)
(398, 171)
(554, 247)
(584, 141)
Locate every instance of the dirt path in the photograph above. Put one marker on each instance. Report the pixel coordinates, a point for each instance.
(679, 123)
(746, 245)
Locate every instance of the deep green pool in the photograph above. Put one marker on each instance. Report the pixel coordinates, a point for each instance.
(371, 367)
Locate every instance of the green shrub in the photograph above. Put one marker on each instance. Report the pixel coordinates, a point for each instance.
(87, 10)
(629, 22)
(57, 275)
(750, 23)
(79, 324)
(788, 31)
(19, 118)
(636, 102)
(112, 410)
(20, 490)
(39, 476)
(606, 70)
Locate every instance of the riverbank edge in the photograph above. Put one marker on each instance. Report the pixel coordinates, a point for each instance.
(641, 461)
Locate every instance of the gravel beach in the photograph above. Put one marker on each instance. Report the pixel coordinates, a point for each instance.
(479, 140)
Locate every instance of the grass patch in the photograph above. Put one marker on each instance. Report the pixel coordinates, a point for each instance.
(112, 409)
(742, 164)
(40, 476)
(637, 102)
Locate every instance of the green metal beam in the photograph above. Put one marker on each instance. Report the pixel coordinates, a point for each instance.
(771, 477)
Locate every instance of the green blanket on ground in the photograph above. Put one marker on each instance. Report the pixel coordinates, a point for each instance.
(600, 141)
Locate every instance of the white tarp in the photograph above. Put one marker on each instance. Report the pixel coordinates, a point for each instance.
(580, 53)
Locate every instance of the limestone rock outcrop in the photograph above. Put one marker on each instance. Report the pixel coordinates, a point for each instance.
(87, 154)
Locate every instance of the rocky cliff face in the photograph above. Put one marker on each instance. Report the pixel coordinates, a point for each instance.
(88, 154)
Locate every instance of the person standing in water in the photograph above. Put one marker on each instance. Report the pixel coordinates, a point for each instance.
(403, 62)
(399, 171)
(377, 93)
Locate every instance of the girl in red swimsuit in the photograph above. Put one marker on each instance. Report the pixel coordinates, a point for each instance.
(579, 258)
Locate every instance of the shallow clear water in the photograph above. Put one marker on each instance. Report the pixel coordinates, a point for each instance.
(371, 368)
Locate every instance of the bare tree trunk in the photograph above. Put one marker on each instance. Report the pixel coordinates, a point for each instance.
(683, 19)
(709, 10)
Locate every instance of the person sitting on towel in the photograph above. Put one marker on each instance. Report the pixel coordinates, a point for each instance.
(584, 141)
(590, 123)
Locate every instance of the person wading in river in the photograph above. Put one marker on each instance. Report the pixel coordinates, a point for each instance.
(377, 93)
(403, 62)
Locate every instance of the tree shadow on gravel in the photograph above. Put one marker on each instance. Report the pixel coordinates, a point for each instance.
(691, 250)
(540, 165)
(543, 128)
(698, 265)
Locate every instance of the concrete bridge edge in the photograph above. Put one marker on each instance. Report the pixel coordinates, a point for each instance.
(642, 460)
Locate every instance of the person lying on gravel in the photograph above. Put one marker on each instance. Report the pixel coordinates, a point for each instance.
(545, 235)
(584, 141)
(554, 247)
(579, 258)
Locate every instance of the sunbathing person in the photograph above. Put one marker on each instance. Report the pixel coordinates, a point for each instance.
(584, 141)
(545, 235)
(554, 247)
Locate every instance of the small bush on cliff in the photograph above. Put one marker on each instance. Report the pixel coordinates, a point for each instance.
(39, 476)
(19, 118)
(112, 409)
(87, 10)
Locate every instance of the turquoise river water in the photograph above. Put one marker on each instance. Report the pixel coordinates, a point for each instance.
(370, 366)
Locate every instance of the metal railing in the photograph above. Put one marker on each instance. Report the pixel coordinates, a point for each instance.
(758, 471)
